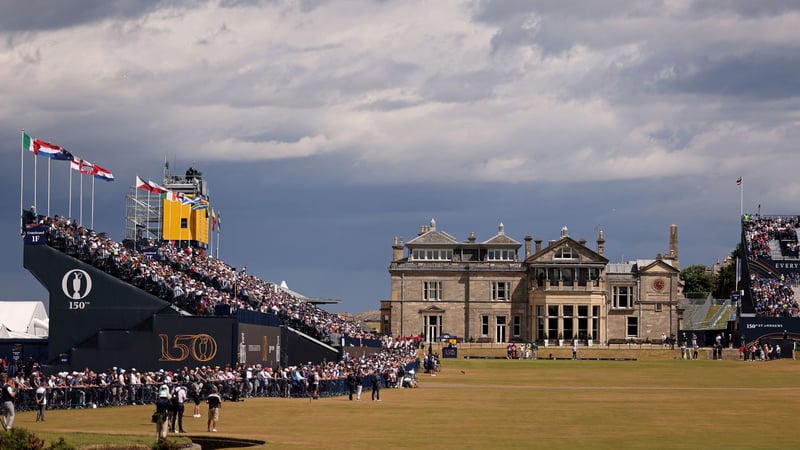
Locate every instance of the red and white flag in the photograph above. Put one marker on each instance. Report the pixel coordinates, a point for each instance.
(102, 174)
(82, 166)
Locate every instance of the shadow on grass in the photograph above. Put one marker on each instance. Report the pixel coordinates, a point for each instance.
(214, 442)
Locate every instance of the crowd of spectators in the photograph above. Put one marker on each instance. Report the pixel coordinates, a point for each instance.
(396, 364)
(773, 297)
(198, 284)
(761, 230)
(194, 282)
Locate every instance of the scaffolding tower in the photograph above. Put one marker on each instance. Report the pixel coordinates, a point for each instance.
(145, 211)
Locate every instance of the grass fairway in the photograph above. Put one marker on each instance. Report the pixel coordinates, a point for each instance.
(666, 404)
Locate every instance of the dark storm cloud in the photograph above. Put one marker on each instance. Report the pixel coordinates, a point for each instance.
(34, 15)
(501, 11)
(768, 74)
(745, 8)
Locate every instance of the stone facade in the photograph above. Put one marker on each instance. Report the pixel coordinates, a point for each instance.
(486, 292)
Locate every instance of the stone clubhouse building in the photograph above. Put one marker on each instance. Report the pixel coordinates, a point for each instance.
(487, 292)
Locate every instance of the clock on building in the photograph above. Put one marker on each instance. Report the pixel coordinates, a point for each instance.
(659, 284)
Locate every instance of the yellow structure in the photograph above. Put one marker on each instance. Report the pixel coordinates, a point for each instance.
(182, 223)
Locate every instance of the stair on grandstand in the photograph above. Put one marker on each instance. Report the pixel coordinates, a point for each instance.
(775, 253)
(708, 314)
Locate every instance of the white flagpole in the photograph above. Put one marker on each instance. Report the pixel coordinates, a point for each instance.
(218, 236)
(48, 187)
(92, 221)
(21, 181)
(80, 219)
(160, 214)
(741, 198)
(180, 230)
(35, 175)
(741, 217)
(135, 207)
(69, 214)
(211, 235)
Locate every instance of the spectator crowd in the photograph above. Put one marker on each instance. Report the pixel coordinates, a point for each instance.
(772, 296)
(194, 282)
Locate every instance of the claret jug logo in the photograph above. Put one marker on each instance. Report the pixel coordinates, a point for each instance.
(76, 284)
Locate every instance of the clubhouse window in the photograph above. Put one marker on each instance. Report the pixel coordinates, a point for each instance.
(622, 297)
(431, 255)
(501, 290)
(633, 327)
(432, 290)
(502, 255)
(484, 326)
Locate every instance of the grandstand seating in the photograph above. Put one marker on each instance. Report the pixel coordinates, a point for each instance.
(195, 282)
(770, 282)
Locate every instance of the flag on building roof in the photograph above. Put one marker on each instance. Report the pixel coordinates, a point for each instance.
(200, 204)
(40, 147)
(170, 195)
(148, 186)
(141, 184)
(82, 166)
(189, 200)
(157, 188)
(102, 174)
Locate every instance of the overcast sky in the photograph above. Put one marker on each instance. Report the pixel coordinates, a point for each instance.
(326, 128)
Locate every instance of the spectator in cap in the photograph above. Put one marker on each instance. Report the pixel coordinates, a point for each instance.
(214, 404)
(160, 416)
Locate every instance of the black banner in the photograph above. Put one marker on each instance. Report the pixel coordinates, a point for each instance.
(259, 344)
(35, 236)
(760, 328)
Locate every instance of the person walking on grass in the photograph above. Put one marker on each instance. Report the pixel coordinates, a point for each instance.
(214, 404)
(376, 385)
(41, 402)
(162, 409)
(8, 395)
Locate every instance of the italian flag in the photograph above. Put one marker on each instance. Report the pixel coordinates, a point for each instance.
(38, 146)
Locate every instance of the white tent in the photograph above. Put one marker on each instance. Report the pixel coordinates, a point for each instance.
(23, 319)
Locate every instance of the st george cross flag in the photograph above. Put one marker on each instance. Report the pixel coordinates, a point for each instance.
(102, 174)
(82, 166)
(40, 147)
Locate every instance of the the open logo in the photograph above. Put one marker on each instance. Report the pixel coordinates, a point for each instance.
(76, 284)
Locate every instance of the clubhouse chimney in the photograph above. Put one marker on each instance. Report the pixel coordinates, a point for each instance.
(538, 242)
(673, 246)
(601, 244)
(528, 240)
(397, 249)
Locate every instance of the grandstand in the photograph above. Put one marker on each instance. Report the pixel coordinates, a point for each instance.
(770, 278)
(161, 301)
